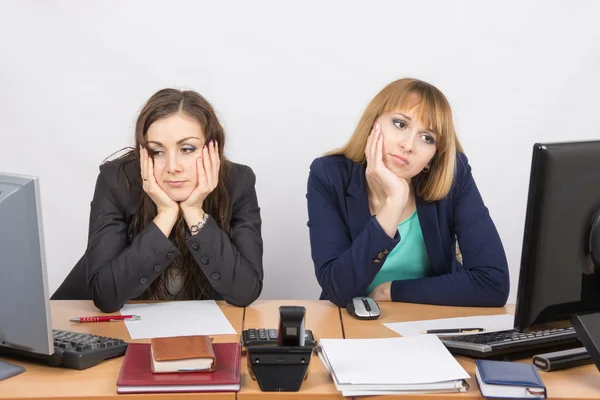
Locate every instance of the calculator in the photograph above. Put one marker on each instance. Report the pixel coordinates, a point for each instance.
(268, 337)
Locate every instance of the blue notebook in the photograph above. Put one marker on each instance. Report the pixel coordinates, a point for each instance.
(507, 379)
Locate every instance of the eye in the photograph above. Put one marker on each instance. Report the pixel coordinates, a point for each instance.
(427, 138)
(188, 149)
(155, 152)
(399, 123)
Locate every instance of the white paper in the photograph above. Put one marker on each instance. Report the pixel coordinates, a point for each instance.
(177, 318)
(491, 323)
(396, 361)
(356, 393)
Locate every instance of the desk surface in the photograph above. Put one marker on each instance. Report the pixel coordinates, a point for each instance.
(322, 317)
(99, 382)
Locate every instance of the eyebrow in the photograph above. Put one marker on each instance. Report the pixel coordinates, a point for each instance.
(178, 142)
(405, 116)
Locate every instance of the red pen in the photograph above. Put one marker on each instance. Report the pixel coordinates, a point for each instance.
(107, 318)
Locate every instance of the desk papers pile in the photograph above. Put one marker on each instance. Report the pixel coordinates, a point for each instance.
(417, 364)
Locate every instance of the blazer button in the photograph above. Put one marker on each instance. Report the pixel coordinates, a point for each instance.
(376, 261)
(216, 276)
(143, 280)
(205, 260)
(170, 256)
(157, 268)
(195, 246)
(381, 255)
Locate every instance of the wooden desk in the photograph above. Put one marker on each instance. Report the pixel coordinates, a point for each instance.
(99, 382)
(574, 383)
(323, 319)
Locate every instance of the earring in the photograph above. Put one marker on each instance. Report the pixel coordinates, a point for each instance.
(426, 169)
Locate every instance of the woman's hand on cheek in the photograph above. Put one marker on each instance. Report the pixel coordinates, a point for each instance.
(164, 204)
(392, 185)
(207, 166)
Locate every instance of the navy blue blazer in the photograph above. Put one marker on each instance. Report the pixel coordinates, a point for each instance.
(346, 241)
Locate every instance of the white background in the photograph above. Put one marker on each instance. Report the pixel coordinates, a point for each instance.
(289, 81)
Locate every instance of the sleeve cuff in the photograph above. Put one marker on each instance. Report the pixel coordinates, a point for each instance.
(384, 244)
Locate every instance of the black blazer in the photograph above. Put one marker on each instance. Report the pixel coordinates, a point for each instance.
(116, 268)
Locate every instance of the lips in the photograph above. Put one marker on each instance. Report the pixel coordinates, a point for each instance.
(399, 159)
(175, 183)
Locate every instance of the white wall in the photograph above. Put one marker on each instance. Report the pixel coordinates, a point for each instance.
(290, 80)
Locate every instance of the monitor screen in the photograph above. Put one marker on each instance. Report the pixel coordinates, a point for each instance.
(25, 321)
(559, 271)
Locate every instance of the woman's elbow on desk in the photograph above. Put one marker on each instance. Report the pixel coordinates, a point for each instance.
(495, 292)
(105, 305)
(247, 295)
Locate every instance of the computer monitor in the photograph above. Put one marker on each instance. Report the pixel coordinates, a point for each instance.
(25, 320)
(560, 260)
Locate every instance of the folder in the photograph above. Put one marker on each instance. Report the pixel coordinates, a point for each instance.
(417, 364)
(136, 374)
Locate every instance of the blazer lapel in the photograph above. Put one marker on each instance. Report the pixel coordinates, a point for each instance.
(357, 202)
(428, 218)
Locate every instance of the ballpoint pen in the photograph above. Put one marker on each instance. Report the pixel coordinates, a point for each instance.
(458, 330)
(107, 318)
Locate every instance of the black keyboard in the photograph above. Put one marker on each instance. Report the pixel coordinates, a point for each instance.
(74, 350)
(505, 343)
(268, 337)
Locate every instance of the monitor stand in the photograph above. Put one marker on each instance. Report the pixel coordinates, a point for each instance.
(8, 370)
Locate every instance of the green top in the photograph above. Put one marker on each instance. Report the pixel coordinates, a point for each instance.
(409, 259)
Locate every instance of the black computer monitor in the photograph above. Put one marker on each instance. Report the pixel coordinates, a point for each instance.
(560, 260)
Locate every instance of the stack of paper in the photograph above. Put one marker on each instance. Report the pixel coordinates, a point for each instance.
(418, 364)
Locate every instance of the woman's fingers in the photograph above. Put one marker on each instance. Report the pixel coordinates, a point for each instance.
(378, 150)
(206, 162)
(143, 160)
(216, 162)
(144, 167)
(202, 180)
(370, 142)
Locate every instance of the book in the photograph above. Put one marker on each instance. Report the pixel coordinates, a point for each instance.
(508, 379)
(136, 374)
(182, 354)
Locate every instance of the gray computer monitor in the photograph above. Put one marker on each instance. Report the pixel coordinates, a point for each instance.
(25, 319)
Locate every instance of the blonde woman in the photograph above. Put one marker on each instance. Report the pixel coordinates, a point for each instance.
(387, 209)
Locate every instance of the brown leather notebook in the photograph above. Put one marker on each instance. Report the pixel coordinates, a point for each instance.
(182, 354)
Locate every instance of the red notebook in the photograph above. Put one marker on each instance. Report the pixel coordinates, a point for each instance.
(136, 374)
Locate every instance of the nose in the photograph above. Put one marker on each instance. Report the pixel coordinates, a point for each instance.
(407, 142)
(173, 164)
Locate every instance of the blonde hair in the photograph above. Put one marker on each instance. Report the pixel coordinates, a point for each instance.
(432, 108)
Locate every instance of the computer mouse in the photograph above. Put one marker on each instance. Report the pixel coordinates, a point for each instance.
(363, 308)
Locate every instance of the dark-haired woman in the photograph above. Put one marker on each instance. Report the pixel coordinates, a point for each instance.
(173, 219)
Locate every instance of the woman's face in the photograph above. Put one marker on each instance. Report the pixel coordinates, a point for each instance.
(408, 146)
(176, 143)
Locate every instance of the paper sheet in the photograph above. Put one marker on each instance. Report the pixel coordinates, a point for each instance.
(400, 361)
(491, 323)
(177, 318)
